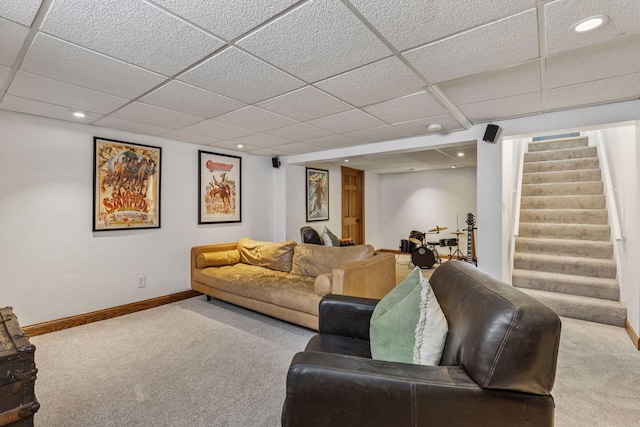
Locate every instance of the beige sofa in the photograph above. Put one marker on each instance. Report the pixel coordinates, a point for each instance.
(287, 280)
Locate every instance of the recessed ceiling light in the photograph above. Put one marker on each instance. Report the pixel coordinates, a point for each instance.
(461, 154)
(346, 160)
(79, 114)
(434, 127)
(590, 24)
(239, 145)
(453, 166)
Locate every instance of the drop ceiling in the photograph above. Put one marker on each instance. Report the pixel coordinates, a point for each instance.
(284, 77)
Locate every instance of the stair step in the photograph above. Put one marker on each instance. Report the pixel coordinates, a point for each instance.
(566, 247)
(562, 165)
(578, 266)
(570, 231)
(563, 189)
(560, 202)
(559, 144)
(568, 153)
(571, 216)
(580, 307)
(563, 176)
(594, 287)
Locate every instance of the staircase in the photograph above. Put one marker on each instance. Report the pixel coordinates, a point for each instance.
(563, 253)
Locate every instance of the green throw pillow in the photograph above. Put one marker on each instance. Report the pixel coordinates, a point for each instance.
(335, 241)
(393, 322)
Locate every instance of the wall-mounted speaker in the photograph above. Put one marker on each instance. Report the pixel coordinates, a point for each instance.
(491, 133)
(275, 162)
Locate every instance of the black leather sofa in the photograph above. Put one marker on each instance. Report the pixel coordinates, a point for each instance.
(497, 369)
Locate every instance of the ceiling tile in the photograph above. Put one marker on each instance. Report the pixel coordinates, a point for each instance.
(189, 99)
(256, 119)
(305, 104)
(411, 107)
(316, 41)
(218, 130)
(131, 30)
(270, 152)
(299, 132)
(241, 76)
(182, 135)
(32, 86)
(20, 11)
(438, 19)
(4, 73)
(158, 116)
(227, 19)
(377, 134)
(12, 36)
(500, 44)
(298, 148)
(333, 141)
(347, 121)
(377, 82)
(594, 63)
(37, 108)
(231, 145)
(63, 61)
(561, 16)
(419, 127)
(517, 80)
(261, 140)
(606, 90)
(131, 126)
(513, 106)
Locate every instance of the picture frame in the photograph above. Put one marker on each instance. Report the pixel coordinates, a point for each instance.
(317, 194)
(126, 185)
(219, 188)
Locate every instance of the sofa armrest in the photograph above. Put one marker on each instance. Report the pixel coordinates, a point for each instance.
(330, 389)
(346, 316)
(372, 277)
(197, 250)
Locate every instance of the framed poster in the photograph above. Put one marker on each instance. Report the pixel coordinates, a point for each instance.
(126, 185)
(218, 188)
(317, 194)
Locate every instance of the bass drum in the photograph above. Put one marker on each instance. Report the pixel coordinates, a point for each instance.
(424, 257)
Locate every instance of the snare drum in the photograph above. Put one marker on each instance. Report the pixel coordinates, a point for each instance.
(424, 257)
(449, 242)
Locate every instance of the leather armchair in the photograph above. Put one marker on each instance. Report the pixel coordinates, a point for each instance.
(497, 369)
(310, 235)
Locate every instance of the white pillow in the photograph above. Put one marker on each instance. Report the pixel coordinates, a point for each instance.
(326, 238)
(432, 328)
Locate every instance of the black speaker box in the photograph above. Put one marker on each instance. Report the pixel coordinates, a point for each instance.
(275, 162)
(490, 133)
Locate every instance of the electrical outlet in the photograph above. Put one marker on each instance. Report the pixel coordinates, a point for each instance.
(142, 281)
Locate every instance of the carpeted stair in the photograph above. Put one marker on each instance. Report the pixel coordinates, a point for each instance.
(563, 253)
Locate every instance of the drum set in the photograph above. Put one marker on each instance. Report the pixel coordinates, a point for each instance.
(424, 253)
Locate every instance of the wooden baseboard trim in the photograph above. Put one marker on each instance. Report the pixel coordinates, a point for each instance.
(393, 251)
(632, 334)
(107, 313)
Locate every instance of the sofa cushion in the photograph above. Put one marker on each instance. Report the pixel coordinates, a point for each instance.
(216, 259)
(314, 260)
(271, 255)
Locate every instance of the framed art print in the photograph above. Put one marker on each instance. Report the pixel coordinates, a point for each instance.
(317, 194)
(126, 185)
(219, 188)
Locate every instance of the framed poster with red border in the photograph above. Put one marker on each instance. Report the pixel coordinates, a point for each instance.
(219, 188)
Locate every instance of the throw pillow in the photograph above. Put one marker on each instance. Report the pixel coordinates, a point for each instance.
(431, 330)
(322, 284)
(271, 255)
(217, 259)
(335, 241)
(326, 239)
(393, 322)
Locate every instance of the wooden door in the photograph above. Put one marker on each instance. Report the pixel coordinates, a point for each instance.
(353, 205)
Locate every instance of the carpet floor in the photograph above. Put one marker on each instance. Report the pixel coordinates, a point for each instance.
(199, 363)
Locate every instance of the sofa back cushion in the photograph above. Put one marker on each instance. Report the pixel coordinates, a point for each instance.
(504, 338)
(271, 255)
(314, 260)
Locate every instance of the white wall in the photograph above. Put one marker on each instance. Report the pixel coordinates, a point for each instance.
(373, 225)
(52, 265)
(423, 200)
